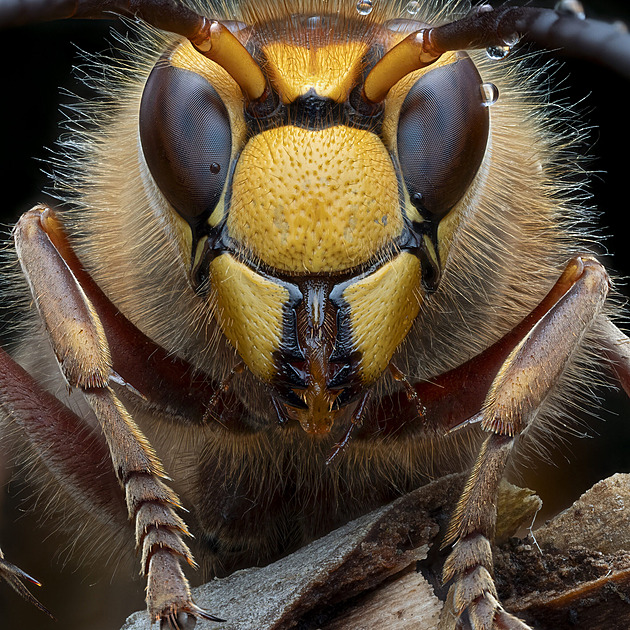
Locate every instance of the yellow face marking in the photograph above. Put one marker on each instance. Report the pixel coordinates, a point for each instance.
(383, 306)
(330, 70)
(307, 201)
(249, 311)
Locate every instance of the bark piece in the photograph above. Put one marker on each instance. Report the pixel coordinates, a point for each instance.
(599, 519)
(371, 559)
(563, 590)
(576, 573)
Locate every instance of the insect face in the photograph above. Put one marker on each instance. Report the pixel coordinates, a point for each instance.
(296, 232)
(311, 223)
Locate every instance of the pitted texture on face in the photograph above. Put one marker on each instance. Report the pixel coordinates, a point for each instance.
(313, 201)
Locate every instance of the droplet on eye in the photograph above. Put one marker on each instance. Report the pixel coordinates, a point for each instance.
(489, 94)
(215, 167)
(364, 7)
(416, 199)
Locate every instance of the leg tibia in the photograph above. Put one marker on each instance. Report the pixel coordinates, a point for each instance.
(76, 334)
(81, 346)
(536, 365)
(532, 370)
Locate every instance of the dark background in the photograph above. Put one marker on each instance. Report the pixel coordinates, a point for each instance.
(37, 61)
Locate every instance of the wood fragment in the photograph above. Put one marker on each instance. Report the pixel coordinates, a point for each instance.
(599, 519)
(356, 577)
(407, 603)
(363, 575)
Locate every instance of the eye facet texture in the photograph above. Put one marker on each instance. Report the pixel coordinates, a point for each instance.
(186, 140)
(442, 136)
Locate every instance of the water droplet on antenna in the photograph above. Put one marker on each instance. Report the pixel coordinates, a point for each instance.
(571, 7)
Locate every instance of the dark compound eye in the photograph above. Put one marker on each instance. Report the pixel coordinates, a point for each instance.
(186, 140)
(442, 136)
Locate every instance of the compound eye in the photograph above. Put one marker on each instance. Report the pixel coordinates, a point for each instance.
(442, 136)
(186, 140)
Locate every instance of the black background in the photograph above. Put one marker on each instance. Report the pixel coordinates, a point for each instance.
(37, 61)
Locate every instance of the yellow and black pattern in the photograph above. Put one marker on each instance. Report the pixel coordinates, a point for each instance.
(314, 188)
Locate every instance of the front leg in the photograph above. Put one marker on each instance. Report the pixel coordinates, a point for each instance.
(82, 350)
(523, 383)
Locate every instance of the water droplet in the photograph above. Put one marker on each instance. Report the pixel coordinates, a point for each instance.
(512, 40)
(483, 8)
(215, 167)
(497, 53)
(364, 7)
(489, 94)
(571, 7)
(413, 7)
